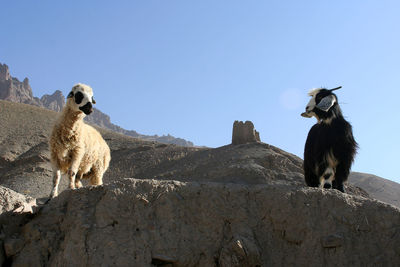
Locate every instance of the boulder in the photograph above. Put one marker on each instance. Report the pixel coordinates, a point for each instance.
(11, 200)
(168, 223)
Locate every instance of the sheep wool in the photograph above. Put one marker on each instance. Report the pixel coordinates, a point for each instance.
(77, 149)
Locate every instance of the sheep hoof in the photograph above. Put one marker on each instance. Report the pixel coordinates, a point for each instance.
(78, 184)
(53, 194)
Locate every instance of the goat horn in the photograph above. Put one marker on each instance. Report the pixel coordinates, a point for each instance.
(337, 88)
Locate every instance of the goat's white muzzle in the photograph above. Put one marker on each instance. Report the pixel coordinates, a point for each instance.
(306, 114)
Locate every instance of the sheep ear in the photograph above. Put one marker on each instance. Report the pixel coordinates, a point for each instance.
(70, 95)
(326, 103)
(93, 101)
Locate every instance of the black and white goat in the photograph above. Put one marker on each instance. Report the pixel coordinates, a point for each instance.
(330, 146)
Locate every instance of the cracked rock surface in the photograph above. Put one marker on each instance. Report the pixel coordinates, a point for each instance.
(135, 222)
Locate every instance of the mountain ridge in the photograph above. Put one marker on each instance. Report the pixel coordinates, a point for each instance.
(11, 89)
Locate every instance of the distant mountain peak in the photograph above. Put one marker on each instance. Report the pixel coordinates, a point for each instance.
(55, 102)
(4, 73)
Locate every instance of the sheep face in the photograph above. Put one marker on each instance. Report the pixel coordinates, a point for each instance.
(81, 98)
(321, 102)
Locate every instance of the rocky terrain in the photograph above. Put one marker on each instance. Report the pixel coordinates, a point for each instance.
(168, 205)
(168, 223)
(11, 89)
(377, 187)
(25, 166)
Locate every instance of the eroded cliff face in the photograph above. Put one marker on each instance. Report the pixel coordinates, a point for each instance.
(11, 89)
(148, 222)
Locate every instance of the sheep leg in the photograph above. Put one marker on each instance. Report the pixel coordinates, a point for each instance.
(78, 179)
(56, 182)
(96, 178)
(71, 176)
(76, 157)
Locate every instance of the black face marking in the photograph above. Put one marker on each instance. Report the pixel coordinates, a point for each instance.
(70, 95)
(78, 97)
(87, 108)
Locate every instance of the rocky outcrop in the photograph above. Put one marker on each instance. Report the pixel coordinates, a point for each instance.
(4, 73)
(15, 210)
(147, 222)
(11, 200)
(55, 102)
(11, 89)
(244, 133)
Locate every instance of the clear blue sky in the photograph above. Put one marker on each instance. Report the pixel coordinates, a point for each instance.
(190, 68)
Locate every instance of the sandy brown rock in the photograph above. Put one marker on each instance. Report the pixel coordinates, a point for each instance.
(377, 187)
(15, 210)
(244, 132)
(11, 89)
(11, 200)
(55, 101)
(140, 222)
(4, 72)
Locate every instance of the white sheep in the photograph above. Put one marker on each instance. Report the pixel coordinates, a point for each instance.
(77, 149)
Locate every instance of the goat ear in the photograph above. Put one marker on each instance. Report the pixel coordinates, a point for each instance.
(326, 103)
(334, 89)
(70, 95)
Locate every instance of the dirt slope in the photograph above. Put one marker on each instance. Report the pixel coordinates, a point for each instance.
(377, 187)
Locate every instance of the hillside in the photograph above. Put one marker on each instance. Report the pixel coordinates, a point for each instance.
(377, 187)
(25, 166)
(236, 205)
(24, 154)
